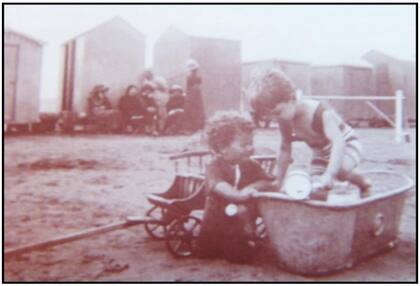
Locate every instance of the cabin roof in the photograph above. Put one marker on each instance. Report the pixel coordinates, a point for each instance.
(276, 60)
(25, 36)
(194, 34)
(116, 19)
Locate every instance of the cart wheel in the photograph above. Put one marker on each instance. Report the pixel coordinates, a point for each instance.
(156, 229)
(181, 239)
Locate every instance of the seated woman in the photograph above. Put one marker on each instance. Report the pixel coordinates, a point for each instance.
(155, 88)
(132, 109)
(100, 110)
(151, 109)
(175, 108)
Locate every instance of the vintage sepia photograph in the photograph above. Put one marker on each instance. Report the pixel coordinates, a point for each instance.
(231, 142)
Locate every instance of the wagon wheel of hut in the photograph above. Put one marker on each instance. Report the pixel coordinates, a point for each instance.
(182, 236)
(156, 228)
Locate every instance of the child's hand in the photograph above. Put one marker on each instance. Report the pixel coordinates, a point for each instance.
(247, 193)
(324, 182)
(319, 194)
(276, 185)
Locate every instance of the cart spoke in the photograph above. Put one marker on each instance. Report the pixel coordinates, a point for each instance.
(177, 245)
(195, 230)
(153, 226)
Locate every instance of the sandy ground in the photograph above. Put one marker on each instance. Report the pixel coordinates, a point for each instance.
(57, 185)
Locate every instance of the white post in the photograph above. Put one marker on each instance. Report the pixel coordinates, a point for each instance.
(299, 94)
(242, 102)
(399, 104)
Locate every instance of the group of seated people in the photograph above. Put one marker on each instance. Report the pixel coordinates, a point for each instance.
(149, 109)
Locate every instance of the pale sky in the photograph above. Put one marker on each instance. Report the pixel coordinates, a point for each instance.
(318, 34)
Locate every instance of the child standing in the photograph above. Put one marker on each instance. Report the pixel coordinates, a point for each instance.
(336, 148)
(195, 115)
(231, 177)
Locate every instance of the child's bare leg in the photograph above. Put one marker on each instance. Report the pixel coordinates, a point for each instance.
(347, 173)
(356, 179)
(245, 217)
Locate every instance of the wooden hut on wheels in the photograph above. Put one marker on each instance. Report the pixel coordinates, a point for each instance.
(219, 60)
(393, 74)
(298, 72)
(345, 79)
(22, 78)
(112, 54)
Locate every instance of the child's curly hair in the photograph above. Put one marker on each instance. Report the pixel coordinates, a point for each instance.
(273, 87)
(223, 126)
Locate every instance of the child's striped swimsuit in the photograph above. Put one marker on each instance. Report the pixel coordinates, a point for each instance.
(321, 155)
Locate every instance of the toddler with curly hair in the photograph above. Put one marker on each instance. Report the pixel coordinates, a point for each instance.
(232, 177)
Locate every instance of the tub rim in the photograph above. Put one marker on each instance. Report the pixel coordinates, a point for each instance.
(409, 184)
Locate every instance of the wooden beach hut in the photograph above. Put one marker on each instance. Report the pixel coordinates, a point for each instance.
(22, 78)
(393, 74)
(112, 54)
(345, 79)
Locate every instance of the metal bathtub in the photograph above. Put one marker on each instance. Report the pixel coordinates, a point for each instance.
(316, 237)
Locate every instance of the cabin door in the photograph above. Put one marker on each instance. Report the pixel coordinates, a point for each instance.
(10, 66)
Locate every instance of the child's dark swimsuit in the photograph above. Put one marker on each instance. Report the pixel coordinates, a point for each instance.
(216, 229)
(321, 154)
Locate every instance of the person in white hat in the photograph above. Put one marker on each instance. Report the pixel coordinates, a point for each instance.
(194, 105)
(192, 65)
(99, 110)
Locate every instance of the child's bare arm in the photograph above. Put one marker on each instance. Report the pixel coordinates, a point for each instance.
(227, 191)
(333, 133)
(285, 154)
(262, 185)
